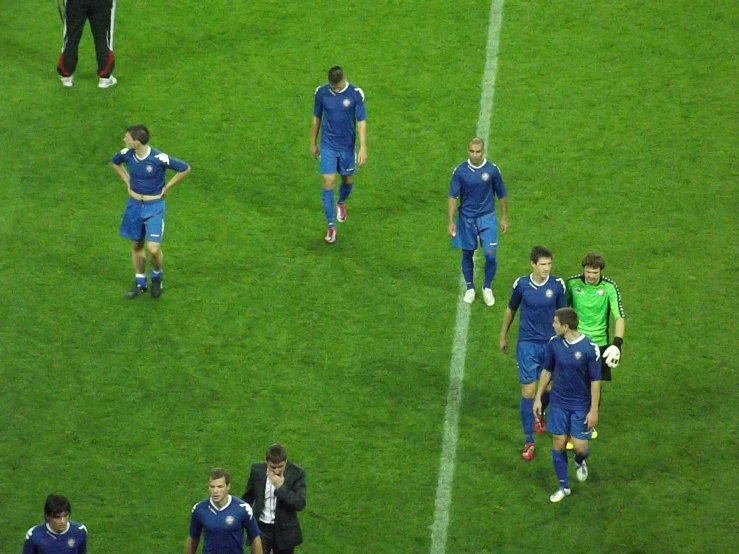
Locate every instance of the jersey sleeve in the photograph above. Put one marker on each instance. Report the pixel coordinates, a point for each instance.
(594, 365)
(455, 186)
(196, 526)
(516, 296)
(29, 545)
(249, 523)
(568, 292)
(82, 548)
(561, 298)
(317, 103)
(359, 110)
(171, 163)
(498, 185)
(548, 362)
(120, 157)
(614, 299)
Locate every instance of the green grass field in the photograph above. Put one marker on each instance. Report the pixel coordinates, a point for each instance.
(615, 127)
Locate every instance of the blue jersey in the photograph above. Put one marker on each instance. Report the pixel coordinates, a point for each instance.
(537, 305)
(147, 174)
(573, 367)
(42, 540)
(224, 527)
(339, 113)
(476, 188)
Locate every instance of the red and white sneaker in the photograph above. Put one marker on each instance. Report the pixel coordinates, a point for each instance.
(528, 451)
(341, 213)
(330, 237)
(540, 425)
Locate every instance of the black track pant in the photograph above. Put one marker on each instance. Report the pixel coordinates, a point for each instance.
(101, 14)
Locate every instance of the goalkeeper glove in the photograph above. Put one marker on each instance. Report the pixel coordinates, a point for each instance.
(612, 355)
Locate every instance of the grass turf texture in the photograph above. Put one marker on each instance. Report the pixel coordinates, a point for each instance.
(614, 127)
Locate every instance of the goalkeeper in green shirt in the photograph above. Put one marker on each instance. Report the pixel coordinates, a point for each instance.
(596, 298)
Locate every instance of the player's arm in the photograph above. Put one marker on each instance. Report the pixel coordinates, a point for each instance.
(362, 132)
(191, 546)
(508, 318)
(503, 214)
(82, 548)
(315, 126)
(455, 189)
(500, 192)
(544, 380)
(28, 545)
(591, 420)
(612, 354)
(196, 528)
(252, 530)
(122, 173)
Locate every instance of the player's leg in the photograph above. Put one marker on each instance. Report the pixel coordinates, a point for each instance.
(527, 377)
(580, 435)
(347, 168)
(102, 18)
(75, 16)
(138, 257)
(154, 223)
(466, 240)
(329, 166)
(488, 226)
(132, 228)
(559, 427)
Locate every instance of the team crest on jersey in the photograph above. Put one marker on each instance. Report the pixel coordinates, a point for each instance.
(346, 102)
(71, 543)
(485, 176)
(601, 292)
(549, 293)
(149, 169)
(230, 520)
(578, 355)
(578, 290)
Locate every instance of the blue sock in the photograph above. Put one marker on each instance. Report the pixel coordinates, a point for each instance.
(468, 268)
(544, 401)
(527, 418)
(560, 468)
(491, 266)
(157, 275)
(141, 279)
(580, 459)
(345, 191)
(327, 197)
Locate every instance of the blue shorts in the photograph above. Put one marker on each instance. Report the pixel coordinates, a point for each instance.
(143, 219)
(470, 230)
(568, 422)
(529, 357)
(343, 162)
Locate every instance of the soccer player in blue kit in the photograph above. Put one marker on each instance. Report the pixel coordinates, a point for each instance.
(476, 183)
(339, 114)
(537, 296)
(58, 535)
(143, 219)
(223, 518)
(572, 364)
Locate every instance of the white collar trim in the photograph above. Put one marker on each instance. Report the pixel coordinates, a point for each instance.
(147, 154)
(473, 166)
(226, 505)
(50, 530)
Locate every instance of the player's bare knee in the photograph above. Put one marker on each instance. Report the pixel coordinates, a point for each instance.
(137, 246)
(154, 248)
(329, 182)
(559, 442)
(490, 254)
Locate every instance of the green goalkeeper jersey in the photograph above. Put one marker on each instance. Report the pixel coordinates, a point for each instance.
(594, 305)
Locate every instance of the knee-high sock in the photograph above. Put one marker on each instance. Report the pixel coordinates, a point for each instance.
(560, 468)
(527, 418)
(344, 191)
(327, 197)
(468, 268)
(491, 266)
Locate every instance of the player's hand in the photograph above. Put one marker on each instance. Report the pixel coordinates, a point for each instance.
(362, 156)
(314, 151)
(612, 356)
(504, 225)
(591, 420)
(504, 345)
(537, 407)
(164, 191)
(277, 480)
(451, 230)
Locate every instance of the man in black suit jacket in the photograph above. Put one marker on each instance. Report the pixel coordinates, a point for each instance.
(276, 493)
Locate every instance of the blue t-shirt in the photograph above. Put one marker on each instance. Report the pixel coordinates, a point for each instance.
(42, 540)
(224, 527)
(339, 113)
(476, 188)
(147, 174)
(537, 305)
(573, 367)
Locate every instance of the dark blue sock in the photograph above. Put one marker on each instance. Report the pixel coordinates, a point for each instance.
(141, 279)
(157, 275)
(468, 268)
(580, 459)
(491, 266)
(345, 191)
(327, 197)
(527, 418)
(560, 468)
(544, 401)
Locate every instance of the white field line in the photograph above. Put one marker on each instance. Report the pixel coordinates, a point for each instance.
(440, 526)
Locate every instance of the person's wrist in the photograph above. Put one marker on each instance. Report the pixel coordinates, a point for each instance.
(618, 342)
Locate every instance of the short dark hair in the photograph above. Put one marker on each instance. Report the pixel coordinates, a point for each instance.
(538, 252)
(567, 316)
(139, 133)
(56, 505)
(335, 75)
(220, 473)
(276, 454)
(593, 259)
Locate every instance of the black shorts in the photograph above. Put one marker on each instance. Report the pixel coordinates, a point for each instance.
(605, 371)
